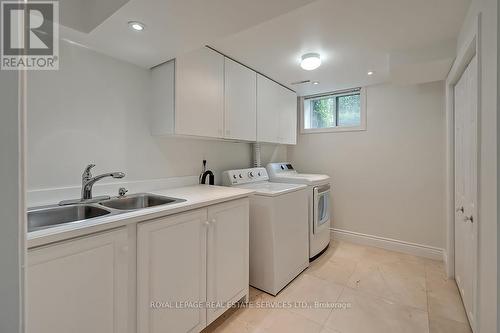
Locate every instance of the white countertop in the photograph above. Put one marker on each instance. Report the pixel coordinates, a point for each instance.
(271, 189)
(196, 196)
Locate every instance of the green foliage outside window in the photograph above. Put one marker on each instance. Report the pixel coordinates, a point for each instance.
(344, 110)
(349, 110)
(323, 112)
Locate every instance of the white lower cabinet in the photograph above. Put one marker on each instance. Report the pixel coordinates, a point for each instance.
(186, 260)
(184, 263)
(171, 273)
(79, 286)
(227, 265)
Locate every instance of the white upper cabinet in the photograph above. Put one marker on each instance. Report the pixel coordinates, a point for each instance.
(288, 117)
(268, 116)
(276, 112)
(199, 94)
(162, 98)
(216, 97)
(240, 103)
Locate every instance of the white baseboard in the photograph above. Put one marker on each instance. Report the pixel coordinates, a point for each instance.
(419, 250)
(445, 259)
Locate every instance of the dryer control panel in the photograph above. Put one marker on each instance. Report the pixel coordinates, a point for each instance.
(244, 176)
(282, 168)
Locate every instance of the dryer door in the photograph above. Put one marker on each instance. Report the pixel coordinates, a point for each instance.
(321, 214)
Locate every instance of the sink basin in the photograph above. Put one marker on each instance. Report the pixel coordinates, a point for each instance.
(139, 201)
(43, 218)
(52, 216)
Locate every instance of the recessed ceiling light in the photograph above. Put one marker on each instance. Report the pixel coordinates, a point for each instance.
(135, 25)
(370, 73)
(315, 82)
(310, 61)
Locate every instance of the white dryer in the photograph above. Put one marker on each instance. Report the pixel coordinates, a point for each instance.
(319, 209)
(279, 236)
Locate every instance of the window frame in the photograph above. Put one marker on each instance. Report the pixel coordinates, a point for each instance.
(362, 125)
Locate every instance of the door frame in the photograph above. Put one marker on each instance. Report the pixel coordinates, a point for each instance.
(465, 55)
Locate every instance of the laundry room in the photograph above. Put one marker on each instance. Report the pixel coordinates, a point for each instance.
(231, 166)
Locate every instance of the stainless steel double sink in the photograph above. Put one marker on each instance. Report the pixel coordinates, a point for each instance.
(52, 216)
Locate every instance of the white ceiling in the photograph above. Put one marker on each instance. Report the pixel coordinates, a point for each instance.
(85, 15)
(172, 26)
(395, 38)
(353, 37)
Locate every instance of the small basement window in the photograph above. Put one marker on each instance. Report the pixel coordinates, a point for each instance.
(334, 112)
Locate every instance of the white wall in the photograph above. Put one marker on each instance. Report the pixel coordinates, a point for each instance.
(488, 167)
(95, 109)
(388, 181)
(11, 233)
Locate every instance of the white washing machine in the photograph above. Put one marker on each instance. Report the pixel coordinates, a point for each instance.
(279, 236)
(319, 209)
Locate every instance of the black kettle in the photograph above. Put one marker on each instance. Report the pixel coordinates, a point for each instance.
(211, 178)
(207, 173)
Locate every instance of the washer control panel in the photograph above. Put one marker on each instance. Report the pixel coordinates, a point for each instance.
(244, 176)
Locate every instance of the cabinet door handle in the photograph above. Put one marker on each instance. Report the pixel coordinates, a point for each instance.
(460, 210)
(207, 223)
(469, 219)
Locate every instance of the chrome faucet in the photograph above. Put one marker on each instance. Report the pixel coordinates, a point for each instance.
(88, 181)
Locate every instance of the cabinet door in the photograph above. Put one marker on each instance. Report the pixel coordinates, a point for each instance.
(288, 120)
(79, 286)
(162, 98)
(276, 112)
(268, 110)
(227, 265)
(199, 93)
(240, 102)
(171, 273)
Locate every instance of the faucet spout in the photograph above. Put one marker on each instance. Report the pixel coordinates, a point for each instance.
(88, 181)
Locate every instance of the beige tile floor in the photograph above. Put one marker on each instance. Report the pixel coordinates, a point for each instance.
(386, 292)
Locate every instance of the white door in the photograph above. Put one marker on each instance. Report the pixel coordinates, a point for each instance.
(460, 105)
(199, 93)
(228, 251)
(171, 273)
(466, 160)
(79, 286)
(240, 102)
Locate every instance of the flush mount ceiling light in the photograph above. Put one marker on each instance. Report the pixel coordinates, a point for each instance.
(136, 25)
(315, 82)
(370, 73)
(310, 61)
